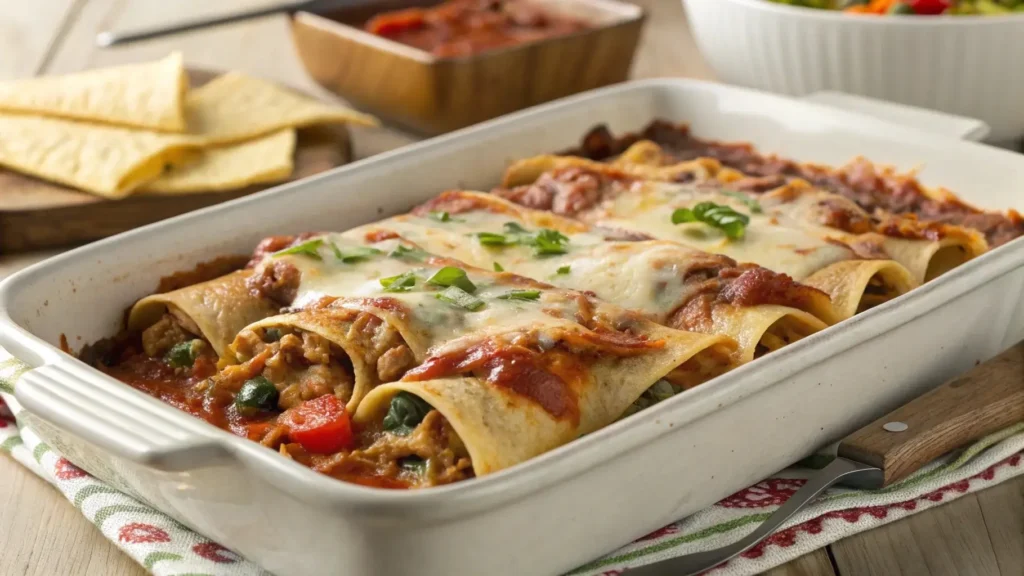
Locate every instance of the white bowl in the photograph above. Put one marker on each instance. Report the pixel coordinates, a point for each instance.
(966, 65)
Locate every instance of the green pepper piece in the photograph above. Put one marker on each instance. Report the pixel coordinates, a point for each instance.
(257, 394)
(901, 8)
(184, 354)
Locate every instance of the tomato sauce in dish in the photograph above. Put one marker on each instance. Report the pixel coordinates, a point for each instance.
(466, 27)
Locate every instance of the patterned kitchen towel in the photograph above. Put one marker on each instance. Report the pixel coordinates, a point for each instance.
(166, 548)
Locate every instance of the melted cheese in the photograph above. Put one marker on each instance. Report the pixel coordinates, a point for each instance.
(644, 276)
(430, 321)
(772, 239)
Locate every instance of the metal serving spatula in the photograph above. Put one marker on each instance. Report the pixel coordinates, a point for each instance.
(109, 38)
(985, 400)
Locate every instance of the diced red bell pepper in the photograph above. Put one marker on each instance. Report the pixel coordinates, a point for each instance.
(321, 426)
(929, 7)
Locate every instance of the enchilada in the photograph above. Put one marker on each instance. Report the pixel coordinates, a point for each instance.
(774, 236)
(674, 285)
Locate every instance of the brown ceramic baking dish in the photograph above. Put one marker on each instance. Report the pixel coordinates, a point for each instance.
(418, 90)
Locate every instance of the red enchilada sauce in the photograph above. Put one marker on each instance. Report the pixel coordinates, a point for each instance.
(466, 27)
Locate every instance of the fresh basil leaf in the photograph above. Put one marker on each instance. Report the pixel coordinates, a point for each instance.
(452, 276)
(520, 295)
(755, 207)
(459, 297)
(310, 248)
(405, 412)
(724, 218)
(401, 283)
(408, 253)
(563, 269)
(498, 268)
(355, 254)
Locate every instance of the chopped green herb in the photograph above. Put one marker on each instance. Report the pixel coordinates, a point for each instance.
(498, 268)
(257, 394)
(442, 217)
(459, 297)
(452, 276)
(563, 269)
(408, 253)
(545, 242)
(405, 412)
(755, 207)
(310, 248)
(549, 242)
(413, 464)
(401, 283)
(492, 239)
(514, 228)
(520, 295)
(355, 254)
(724, 218)
(184, 354)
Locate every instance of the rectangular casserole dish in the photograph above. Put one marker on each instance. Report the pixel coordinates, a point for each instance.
(568, 506)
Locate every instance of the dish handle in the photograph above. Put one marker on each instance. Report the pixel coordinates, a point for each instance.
(122, 422)
(960, 127)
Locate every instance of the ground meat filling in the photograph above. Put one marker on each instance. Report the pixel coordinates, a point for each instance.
(431, 454)
(159, 338)
(564, 191)
(277, 281)
(301, 365)
(722, 281)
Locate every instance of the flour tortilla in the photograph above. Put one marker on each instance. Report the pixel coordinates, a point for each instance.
(263, 160)
(220, 308)
(501, 428)
(148, 96)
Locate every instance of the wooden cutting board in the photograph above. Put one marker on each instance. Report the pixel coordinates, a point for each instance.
(35, 214)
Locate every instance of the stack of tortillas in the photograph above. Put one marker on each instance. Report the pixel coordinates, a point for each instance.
(138, 129)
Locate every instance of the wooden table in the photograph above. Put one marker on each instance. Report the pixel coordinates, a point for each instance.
(42, 534)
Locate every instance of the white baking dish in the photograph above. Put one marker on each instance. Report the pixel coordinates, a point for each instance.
(969, 65)
(557, 511)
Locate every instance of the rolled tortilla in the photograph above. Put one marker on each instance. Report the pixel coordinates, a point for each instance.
(674, 285)
(529, 170)
(502, 425)
(358, 343)
(777, 236)
(217, 309)
(926, 250)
